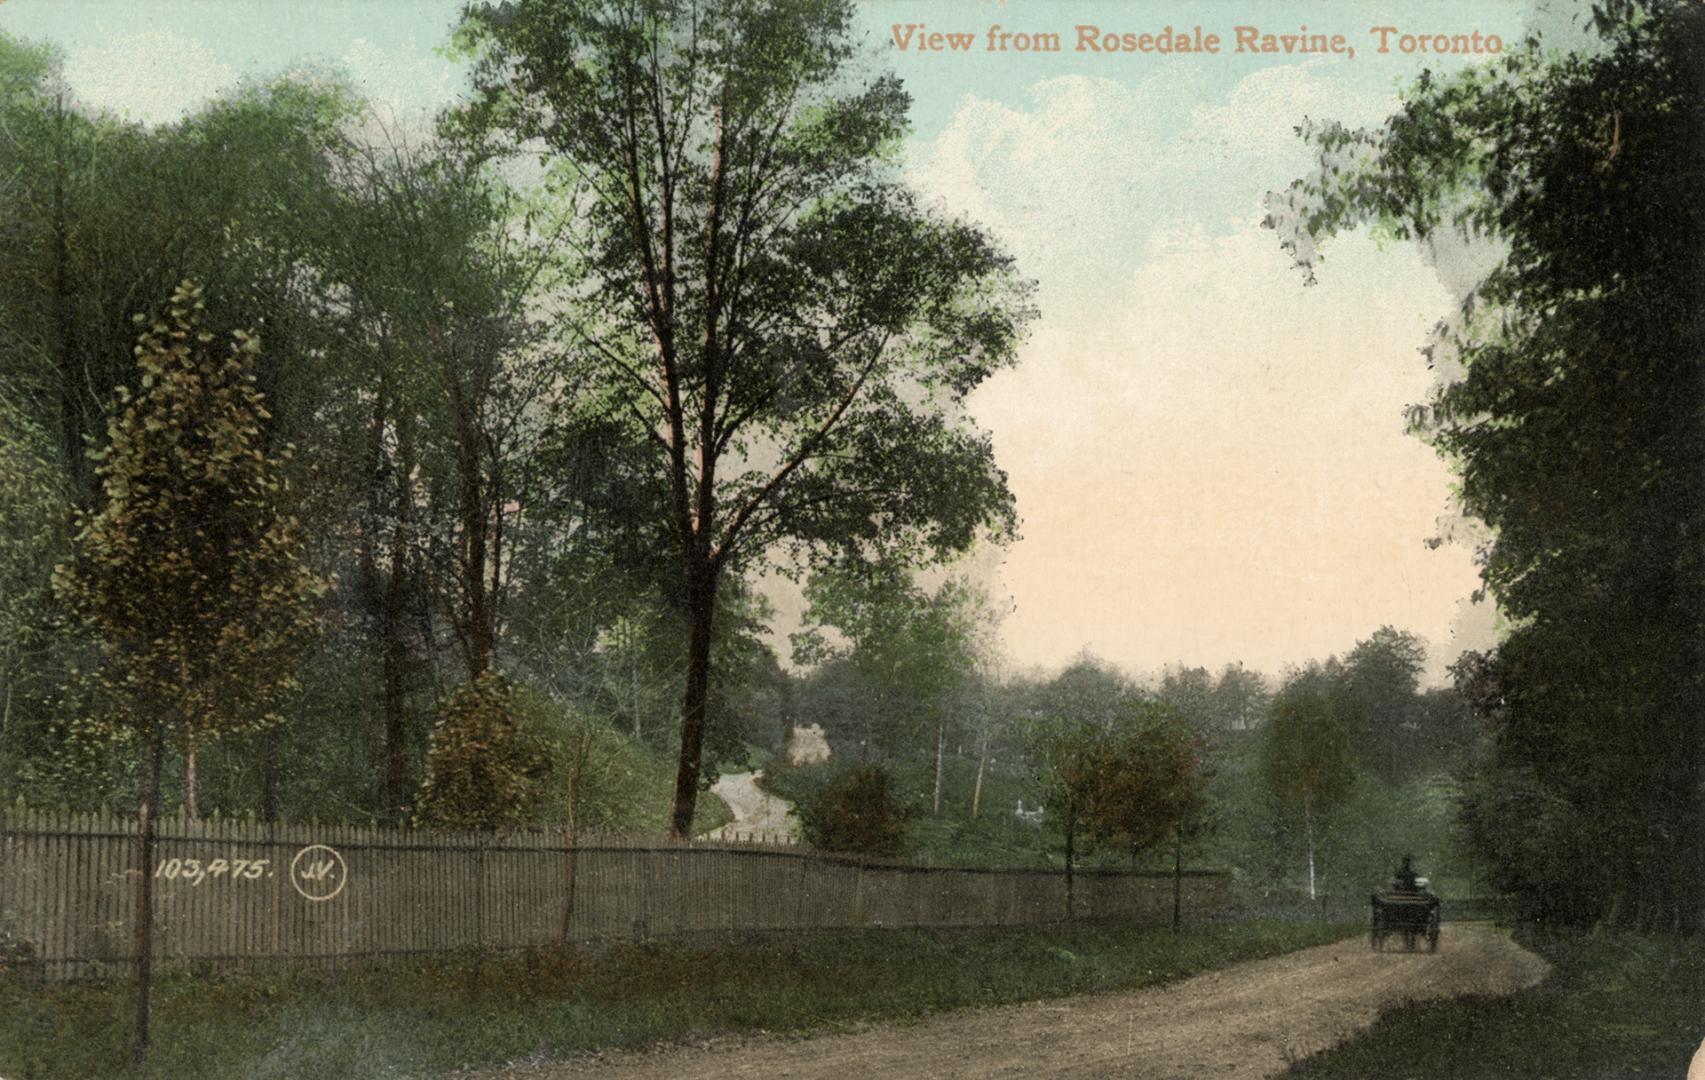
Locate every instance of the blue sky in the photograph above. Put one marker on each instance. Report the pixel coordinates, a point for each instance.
(1208, 457)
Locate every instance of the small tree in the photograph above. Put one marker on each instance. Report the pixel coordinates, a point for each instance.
(1135, 782)
(483, 768)
(1145, 781)
(190, 578)
(857, 812)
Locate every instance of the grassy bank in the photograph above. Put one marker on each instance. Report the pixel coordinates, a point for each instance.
(1615, 1005)
(425, 1019)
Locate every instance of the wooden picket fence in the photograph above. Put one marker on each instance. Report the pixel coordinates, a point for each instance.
(228, 894)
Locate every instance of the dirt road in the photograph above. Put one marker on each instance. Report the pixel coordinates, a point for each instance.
(1242, 1022)
(755, 810)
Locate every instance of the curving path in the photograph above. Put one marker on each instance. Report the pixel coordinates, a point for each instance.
(755, 810)
(1243, 1022)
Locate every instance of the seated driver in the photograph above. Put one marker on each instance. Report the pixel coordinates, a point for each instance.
(1405, 878)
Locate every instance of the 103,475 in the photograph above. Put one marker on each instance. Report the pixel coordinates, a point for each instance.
(195, 872)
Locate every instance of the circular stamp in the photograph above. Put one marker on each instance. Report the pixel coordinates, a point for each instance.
(318, 872)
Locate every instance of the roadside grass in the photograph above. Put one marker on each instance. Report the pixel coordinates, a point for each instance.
(1615, 1005)
(429, 1018)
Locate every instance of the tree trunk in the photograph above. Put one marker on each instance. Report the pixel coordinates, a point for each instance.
(393, 615)
(1071, 831)
(1694, 918)
(70, 408)
(270, 740)
(366, 560)
(982, 765)
(633, 673)
(569, 839)
(393, 672)
(1308, 827)
(701, 614)
(142, 917)
(192, 807)
(940, 738)
(1177, 877)
(473, 512)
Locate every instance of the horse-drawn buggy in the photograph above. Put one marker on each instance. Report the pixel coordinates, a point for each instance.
(1409, 908)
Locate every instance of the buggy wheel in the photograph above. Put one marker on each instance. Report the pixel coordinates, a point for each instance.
(1409, 940)
(1433, 940)
(1377, 940)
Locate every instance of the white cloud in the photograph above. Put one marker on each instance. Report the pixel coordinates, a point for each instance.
(1097, 173)
(1259, 116)
(1209, 457)
(1217, 470)
(156, 77)
(403, 86)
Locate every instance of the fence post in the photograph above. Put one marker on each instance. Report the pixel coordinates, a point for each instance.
(799, 901)
(479, 894)
(858, 896)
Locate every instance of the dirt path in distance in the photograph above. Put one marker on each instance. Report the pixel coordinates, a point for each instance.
(755, 810)
(1243, 1022)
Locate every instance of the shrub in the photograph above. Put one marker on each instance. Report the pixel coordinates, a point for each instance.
(857, 812)
(482, 769)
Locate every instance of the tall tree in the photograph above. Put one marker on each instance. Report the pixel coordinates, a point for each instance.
(1576, 414)
(189, 578)
(1382, 676)
(1305, 754)
(1089, 691)
(441, 264)
(792, 333)
(1189, 693)
(919, 647)
(32, 538)
(1239, 700)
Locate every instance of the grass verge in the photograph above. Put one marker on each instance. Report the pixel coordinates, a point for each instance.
(428, 1018)
(1615, 1005)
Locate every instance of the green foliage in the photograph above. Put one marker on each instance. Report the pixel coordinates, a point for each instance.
(32, 529)
(791, 294)
(994, 838)
(449, 1014)
(33, 537)
(1145, 783)
(1239, 700)
(622, 783)
(1306, 757)
(189, 578)
(1614, 1004)
(1088, 693)
(1131, 784)
(912, 648)
(483, 769)
(1382, 677)
(858, 811)
(1576, 415)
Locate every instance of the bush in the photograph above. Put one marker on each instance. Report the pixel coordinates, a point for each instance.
(857, 812)
(482, 770)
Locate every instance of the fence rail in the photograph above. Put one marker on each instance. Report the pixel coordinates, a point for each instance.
(231, 893)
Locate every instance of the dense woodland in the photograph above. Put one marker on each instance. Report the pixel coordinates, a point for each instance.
(357, 473)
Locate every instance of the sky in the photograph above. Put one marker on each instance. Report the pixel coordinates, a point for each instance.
(1209, 458)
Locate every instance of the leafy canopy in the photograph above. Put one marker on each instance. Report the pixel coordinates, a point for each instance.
(1573, 404)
